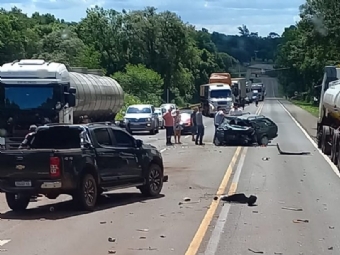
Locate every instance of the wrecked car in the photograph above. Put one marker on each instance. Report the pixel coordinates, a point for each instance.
(247, 129)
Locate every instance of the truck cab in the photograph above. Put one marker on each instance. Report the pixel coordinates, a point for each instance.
(215, 95)
(33, 91)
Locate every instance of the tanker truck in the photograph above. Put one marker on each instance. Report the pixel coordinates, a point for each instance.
(34, 91)
(328, 124)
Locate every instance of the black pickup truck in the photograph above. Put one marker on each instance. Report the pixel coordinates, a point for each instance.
(82, 161)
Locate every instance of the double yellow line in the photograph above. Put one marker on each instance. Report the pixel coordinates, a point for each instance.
(202, 230)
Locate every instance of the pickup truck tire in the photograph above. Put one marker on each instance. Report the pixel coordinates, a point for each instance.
(87, 193)
(17, 202)
(153, 181)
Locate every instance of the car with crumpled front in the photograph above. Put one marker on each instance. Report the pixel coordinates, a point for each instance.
(246, 129)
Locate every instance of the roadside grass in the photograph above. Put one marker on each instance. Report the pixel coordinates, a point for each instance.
(314, 110)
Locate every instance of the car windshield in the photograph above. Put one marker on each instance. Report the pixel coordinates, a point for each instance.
(134, 109)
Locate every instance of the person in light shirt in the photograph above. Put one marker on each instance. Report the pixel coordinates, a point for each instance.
(235, 111)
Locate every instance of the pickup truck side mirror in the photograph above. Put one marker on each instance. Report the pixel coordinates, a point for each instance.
(139, 143)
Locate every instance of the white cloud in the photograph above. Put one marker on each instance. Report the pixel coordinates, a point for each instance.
(262, 16)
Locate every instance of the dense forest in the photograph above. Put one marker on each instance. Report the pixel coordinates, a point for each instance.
(148, 52)
(308, 46)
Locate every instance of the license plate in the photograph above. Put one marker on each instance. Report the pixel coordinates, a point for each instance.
(23, 184)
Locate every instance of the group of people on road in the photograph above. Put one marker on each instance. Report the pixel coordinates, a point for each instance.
(173, 127)
(172, 123)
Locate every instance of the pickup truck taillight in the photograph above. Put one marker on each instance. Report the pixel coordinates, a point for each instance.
(54, 167)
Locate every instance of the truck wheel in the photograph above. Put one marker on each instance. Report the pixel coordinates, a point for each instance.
(87, 193)
(153, 181)
(335, 147)
(17, 202)
(326, 149)
(152, 132)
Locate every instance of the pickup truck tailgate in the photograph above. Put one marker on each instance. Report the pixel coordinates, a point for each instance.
(25, 164)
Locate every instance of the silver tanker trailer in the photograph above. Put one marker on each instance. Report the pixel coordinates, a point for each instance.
(34, 91)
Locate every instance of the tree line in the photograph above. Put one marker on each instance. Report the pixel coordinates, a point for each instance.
(308, 46)
(151, 54)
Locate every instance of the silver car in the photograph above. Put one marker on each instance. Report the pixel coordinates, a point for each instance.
(142, 118)
(160, 112)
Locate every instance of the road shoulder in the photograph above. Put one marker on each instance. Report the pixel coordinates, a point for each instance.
(305, 119)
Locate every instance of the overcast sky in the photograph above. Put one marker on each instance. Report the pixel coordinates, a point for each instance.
(262, 16)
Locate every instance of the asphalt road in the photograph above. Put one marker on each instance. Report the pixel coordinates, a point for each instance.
(168, 225)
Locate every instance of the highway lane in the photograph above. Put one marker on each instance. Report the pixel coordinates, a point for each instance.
(138, 225)
(289, 188)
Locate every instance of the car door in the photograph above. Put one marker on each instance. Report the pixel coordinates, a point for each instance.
(129, 155)
(107, 157)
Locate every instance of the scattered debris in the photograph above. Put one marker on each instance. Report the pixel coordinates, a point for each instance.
(255, 211)
(103, 222)
(331, 227)
(330, 248)
(144, 249)
(300, 221)
(291, 153)
(278, 253)
(142, 237)
(162, 236)
(112, 240)
(292, 209)
(143, 230)
(186, 199)
(240, 198)
(112, 252)
(215, 198)
(265, 159)
(258, 252)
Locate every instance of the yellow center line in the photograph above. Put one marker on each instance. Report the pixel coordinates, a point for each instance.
(202, 229)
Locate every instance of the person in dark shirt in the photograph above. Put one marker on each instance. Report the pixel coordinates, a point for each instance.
(193, 123)
(28, 137)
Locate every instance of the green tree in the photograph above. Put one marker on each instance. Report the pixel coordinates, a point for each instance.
(141, 82)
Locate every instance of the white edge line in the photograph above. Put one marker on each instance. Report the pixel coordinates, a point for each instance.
(162, 150)
(334, 168)
(222, 218)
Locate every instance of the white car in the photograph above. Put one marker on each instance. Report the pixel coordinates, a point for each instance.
(168, 105)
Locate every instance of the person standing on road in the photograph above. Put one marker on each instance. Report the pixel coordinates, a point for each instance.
(193, 123)
(200, 127)
(25, 143)
(218, 119)
(169, 125)
(177, 127)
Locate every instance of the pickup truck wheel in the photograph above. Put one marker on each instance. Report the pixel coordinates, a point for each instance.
(17, 202)
(154, 181)
(87, 193)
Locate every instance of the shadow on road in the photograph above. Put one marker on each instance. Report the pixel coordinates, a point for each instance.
(68, 209)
